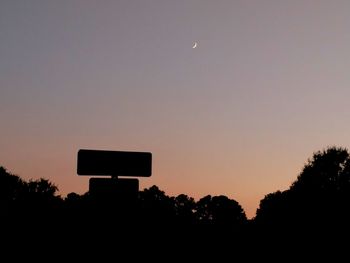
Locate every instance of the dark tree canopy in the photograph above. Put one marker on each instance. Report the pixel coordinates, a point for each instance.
(185, 208)
(319, 196)
(315, 209)
(220, 210)
(326, 171)
(11, 186)
(42, 187)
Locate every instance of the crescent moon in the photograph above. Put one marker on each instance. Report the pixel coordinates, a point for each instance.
(195, 45)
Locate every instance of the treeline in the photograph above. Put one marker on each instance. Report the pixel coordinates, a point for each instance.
(40, 197)
(315, 208)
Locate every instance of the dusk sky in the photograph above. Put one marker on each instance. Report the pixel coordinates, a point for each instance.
(239, 115)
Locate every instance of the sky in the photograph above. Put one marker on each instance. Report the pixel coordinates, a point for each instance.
(239, 115)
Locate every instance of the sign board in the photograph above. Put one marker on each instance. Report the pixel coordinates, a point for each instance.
(114, 163)
(111, 189)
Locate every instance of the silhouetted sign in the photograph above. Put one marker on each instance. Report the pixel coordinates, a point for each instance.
(118, 163)
(121, 189)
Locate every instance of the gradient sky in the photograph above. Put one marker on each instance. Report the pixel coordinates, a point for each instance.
(239, 115)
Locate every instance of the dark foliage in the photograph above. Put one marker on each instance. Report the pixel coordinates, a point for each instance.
(313, 212)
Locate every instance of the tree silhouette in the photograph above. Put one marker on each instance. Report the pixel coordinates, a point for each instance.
(40, 191)
(318, 199)
(220, 210)
(185, 209)
(11, 186)
(314, 210)
(221, 222)
(313, 213)
(324, 173)
(156, 205)
(42, 187)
